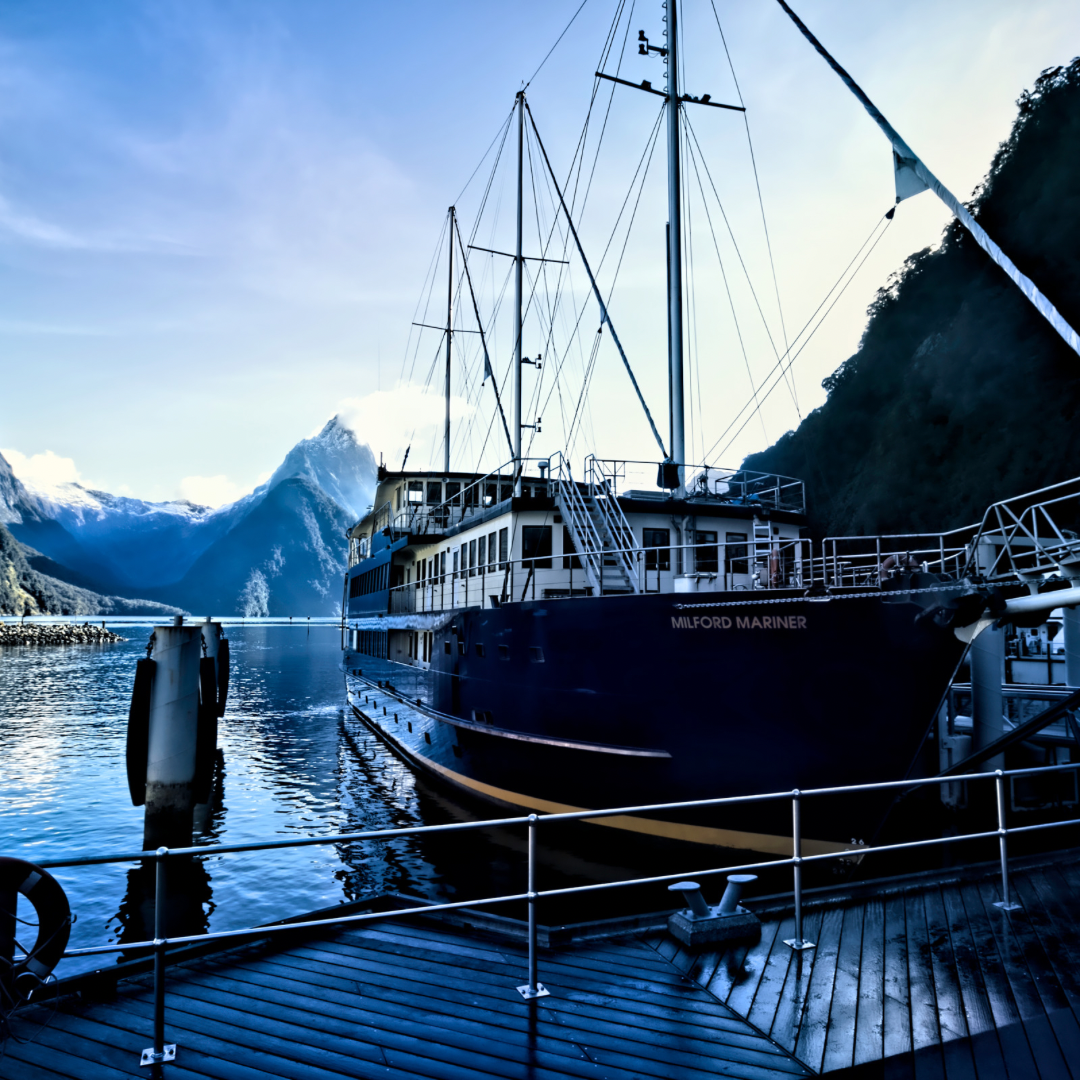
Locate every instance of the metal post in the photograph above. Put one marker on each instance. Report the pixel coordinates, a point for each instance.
(1004, 903)
(797, 942)
(532, 989)
(159, 1052)
(518, 464)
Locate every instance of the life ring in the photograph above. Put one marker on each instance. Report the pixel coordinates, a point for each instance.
(54, 920)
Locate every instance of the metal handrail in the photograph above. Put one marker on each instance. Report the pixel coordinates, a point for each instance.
(533, 988)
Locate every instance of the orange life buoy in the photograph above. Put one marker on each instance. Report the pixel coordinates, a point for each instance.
(54, 920)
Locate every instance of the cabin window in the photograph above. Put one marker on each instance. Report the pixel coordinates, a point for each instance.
(481, 554)
(442, 566)
(446, 647)
(736, 557)
(472, 495)
(491, 494)
(536, 654)
(705, 560)
(434, 492)
(453, 491)
(657, 545)
(461, 648)
(536, 546)
(480, 649)
(506, 492)
(416, 491)
(472, 558)
(504, 652)
(491, 551)
(457, 556)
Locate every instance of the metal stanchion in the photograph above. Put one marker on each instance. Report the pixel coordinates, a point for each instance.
(159, 1052)
(1004, 903)
(797, 942)
(532, 989)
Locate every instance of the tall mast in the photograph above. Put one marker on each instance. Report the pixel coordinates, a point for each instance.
(449, 335)
(675, 330)
(517, 301)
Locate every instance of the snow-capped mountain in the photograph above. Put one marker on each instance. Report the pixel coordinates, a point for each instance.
(202, 557)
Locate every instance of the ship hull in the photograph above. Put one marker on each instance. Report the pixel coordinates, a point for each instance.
(624, 701)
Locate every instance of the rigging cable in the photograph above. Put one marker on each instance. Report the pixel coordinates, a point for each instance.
(887, 218)
(761, 201)
(731, 234)
(556, 45)
(731, 300)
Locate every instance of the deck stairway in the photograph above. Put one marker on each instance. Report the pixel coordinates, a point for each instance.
(609, 553)
(763, 546)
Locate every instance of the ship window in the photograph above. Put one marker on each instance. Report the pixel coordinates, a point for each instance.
(536, 546)
(479, 649)
(536, 654)
(416, 491)
(491, 494)
(705, 561)
(453, 491)
(427, 736)
(446, 647)
(481, 554)
(504, 652)
(472, 558)
(504, 547)
(736, 559)
(456, 560)
(491, 551)
(461, 648)
(506, 492)
(569, 560)
(434, 492)
(657, 544)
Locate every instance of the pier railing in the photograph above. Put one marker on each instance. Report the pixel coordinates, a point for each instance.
(533, 988)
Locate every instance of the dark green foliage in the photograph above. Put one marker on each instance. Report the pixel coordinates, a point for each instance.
(960, 393)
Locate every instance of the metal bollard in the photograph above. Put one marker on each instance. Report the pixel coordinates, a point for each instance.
(532, 989)
(159, 1052)
(1004, 903)
(797, 942)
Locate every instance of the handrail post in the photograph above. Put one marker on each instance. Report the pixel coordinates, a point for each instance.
(1004, 903)
(797, 942)
(532, 989)
(159, 1052)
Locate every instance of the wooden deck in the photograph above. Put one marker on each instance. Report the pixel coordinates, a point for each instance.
(396, 1001)
(917, 979)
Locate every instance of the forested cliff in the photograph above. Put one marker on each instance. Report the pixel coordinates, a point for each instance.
(960, 393)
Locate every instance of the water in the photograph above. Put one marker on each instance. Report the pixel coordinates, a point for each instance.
(295, 765)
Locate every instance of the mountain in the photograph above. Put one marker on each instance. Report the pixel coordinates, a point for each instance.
(334, 462)
(278, 550)
(285, 557)
(960, 394)
(26, 591)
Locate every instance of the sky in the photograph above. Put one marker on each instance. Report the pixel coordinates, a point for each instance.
(219, 219)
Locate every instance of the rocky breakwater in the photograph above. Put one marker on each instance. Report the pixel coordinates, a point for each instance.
(19, 633)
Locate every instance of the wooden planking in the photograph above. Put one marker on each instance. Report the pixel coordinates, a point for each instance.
(870, 1016)
(789, 1013)
(896, 1003)
(814, 1027)
(840, 1036)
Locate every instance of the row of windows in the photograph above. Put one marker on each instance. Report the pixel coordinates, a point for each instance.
(536, 653)
(370, 581)
(657, 544)
(421, 643)
(372, 643)
(431, 492)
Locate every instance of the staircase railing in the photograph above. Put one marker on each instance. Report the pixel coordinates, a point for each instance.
(578, 521)
(602, 488)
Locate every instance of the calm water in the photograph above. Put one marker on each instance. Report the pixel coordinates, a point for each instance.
(295, 765)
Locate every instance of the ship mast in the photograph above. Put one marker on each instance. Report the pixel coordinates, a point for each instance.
(518, 464)
(677, 441)
(449, 335)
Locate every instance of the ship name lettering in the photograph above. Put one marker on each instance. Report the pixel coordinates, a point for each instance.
(741, 622)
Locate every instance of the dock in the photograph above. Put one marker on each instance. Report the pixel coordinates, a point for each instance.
(919, 977)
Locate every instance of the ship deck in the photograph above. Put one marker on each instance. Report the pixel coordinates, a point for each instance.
(918, 977)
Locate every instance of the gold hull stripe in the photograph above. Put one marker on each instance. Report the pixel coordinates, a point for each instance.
(670, 830)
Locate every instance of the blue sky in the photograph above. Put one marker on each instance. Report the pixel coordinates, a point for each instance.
(216, 217)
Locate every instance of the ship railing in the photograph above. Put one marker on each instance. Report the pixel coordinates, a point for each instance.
(738, 486)
(871, 561)
(1029, 536)
(531, 894)
(589, 542)
(702, 568)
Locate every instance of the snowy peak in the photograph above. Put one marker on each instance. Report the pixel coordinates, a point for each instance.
(334, 461)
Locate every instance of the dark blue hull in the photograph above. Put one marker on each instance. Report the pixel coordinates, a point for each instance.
(615, 701)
